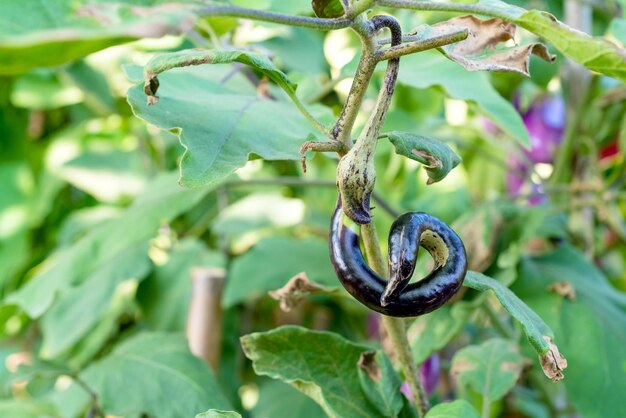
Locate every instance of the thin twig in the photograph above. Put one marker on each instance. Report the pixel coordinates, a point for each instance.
(422, 45)
(473, 8)
(265, 16)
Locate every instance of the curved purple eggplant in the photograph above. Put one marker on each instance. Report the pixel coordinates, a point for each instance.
(397, 297)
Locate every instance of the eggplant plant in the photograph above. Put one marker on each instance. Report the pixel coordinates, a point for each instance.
(190, 220)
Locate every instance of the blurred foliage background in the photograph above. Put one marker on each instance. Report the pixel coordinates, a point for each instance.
(98, 240)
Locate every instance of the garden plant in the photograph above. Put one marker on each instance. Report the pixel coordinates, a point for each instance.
(194, 193)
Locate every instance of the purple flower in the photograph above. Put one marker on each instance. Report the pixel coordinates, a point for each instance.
(430, 372)
(545, 121)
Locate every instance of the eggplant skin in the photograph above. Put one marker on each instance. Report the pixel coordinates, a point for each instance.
(368, 287)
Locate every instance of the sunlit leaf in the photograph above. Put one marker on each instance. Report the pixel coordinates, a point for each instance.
(457, 409)
(158, 368)
(433, 69)
(589, 329)
(311, 361)
(221, 128)
(41, 33)
(491, 368)
(272, 262)
(161, 201)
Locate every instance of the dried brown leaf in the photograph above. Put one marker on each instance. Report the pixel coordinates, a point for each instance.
(564, 289)
(367, 362)
(553, 362)
(294, 291)
(479, 51)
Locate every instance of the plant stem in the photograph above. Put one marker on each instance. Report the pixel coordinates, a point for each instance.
(365, 70)
(396, 327)
(421, 45)
(451, 7)
(265, 16)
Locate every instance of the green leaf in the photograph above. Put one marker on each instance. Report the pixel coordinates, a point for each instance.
(41, 33)
(15, 217)
(214, 413)
(266, 267)
(590, 328)
(161, 201)
(491, 368)
(188, 57)
(42, 90)
(164, 296)
(280, 400)
(327, 8)
(597, 54)
(323, 365)
(78, 310)
(220, 127)
(433, 69)
(159, 368)
(256, 211)
(532, 324)
(457, 409)
(618, 29)
(437, 157)
(110, 176)
(435, 330)
(21, 408)
(380, 382)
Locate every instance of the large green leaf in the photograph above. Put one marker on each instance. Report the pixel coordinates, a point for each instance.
(280, 400)
(161, 201)
(258, 211)
(272, 262)
(161, 376)
(457, 409)
(589, 329)
(40, 33)
(321, 364)
(16, 408)
(78, 310)
(532, 324)
(433, 69)
(220, 127)
(491, 369)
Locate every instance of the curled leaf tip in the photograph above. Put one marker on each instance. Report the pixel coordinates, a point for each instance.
(553, 362)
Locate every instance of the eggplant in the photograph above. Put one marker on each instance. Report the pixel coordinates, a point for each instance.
(397, 297)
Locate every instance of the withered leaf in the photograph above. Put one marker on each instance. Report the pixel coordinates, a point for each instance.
(481, 51)
(553, 362)
(295, 289)
(564, 289)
